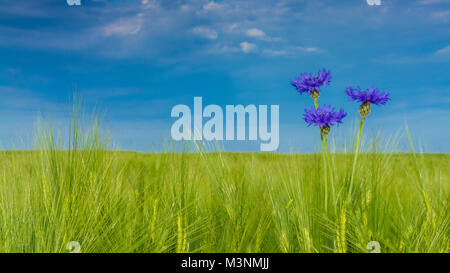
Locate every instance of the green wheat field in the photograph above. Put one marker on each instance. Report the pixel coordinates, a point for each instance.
(80, 189)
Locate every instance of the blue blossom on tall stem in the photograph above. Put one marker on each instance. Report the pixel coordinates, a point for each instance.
(324, 117)
(308, 84)
(367, 97)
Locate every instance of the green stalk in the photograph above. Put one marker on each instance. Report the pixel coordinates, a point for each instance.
(355, 159)
(326, 173)
(328, 157)
(316, 104)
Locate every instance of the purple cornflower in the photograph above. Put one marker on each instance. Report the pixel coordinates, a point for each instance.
(324, 117)
(371, 95)
(308, 84)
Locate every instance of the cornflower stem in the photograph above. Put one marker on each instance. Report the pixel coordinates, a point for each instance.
(329, 164)
(355, 159)
(316, 104)
(326, 173)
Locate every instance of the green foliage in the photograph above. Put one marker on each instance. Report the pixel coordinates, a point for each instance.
(217, 202)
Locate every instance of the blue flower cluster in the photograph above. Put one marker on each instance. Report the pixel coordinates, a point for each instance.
(326, 116)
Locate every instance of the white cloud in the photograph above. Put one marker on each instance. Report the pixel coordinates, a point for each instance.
(429, 2)
(443, 51)
(218, 49)
(289, 51)
(244, 47)
(247, 47)
(309, 49)
(273, 52)
(149, 4)
(123, 27)
(373, 2)
(259, 34)
(205, 32)
(185, 8)
(442, 16)
(232, 27)
(256, 33)
(212, 6)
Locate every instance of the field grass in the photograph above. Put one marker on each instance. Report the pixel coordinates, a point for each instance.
(112, 201)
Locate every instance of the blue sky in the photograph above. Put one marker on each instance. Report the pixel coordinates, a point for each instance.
(135, 60)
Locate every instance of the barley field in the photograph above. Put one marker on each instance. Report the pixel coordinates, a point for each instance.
(82, 190)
